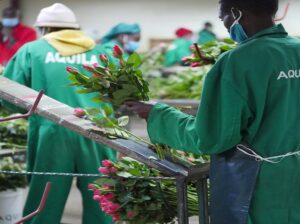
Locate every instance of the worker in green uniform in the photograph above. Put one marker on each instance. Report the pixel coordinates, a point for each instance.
(51, 148)
(206, 34)
(126, 36)
(180, 47)
(248, 120)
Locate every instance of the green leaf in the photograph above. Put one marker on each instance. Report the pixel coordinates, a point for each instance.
(94, 111)
(72, 78)
(97, 99)
(84, 91)
(134, 60)
(123, 121)
(107, 109)
(124, 174)
(104, 181)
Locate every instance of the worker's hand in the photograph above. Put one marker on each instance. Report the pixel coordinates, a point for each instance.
(139, 108)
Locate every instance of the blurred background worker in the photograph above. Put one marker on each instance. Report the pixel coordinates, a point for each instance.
(52, 148)
(14, 34)
(206, 34)
(126, 36)
(180, 47)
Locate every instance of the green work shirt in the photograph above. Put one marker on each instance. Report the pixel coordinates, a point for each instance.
(206, 36)
(251, 95)
(39, 66)
(179, 49)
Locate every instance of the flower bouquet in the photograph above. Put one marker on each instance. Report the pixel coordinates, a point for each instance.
(208, 53)
(130, 194)
(112, 83)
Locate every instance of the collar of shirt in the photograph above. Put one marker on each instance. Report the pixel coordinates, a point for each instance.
(277, 30)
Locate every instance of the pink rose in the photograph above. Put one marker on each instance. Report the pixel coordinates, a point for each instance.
(113, 170)
(109, 196)
(71, 69)
(103, 58)
(107, 163)
(79, 112)
(185, 59)
(131, 214)
(96, 197)
(104, 170)
(196, 64)
(88, 68)
(122, 63)
(115, 207)
(92, 187)
(116, 217)
(97, 192)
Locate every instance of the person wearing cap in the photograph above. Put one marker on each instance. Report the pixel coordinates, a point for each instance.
(13, 34)
(126, 36)
(206, 34)
(52, 148)
(180, 48)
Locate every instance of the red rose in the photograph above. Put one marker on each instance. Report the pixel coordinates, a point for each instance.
(117, 52)
(88, 68)
(103, 58)
(71, 69)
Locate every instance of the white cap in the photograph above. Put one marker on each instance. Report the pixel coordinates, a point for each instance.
(57, 15)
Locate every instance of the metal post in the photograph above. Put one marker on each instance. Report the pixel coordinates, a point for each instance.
(202, 190)
(181, 185)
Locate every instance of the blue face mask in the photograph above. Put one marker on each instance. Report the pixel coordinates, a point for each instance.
(237, 32)
(10, 22)
(132, 46)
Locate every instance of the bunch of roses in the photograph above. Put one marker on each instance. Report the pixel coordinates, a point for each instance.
(129, 195)
(105, 194)
(115, 81)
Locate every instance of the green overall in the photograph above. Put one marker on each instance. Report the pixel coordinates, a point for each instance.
(179, 49)
(251, 95)
(52, 148)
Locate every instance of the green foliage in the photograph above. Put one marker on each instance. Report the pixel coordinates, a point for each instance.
(13, 134)
(113, 83)
(209, 53)
(188, 84)
(185, 85)
(11, 182)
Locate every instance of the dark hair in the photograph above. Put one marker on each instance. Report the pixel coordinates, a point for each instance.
(261, 7)
(208, 24)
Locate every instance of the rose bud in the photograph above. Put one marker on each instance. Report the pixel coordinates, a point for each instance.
(79, 112)
(88, 68)
(107, 163)
(195, 64)
(104, 170)
(185, 59)
(104, 59)
(131, 214)
(92, 187)
(122, 63)
(117, 52)
(71, 69)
